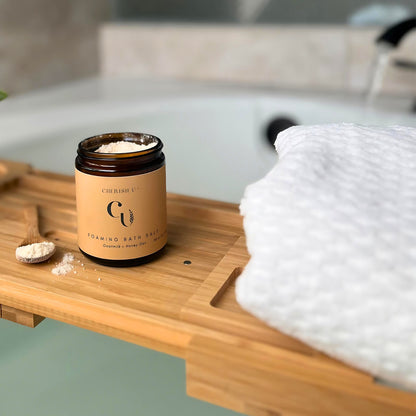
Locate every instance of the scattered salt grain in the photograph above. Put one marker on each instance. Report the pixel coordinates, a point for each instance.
(124, 147)
(65, 266)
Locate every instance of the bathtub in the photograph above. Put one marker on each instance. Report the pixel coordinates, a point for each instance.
(215, 145)
(214, 135)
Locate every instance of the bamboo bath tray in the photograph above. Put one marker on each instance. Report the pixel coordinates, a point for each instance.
(187, 310)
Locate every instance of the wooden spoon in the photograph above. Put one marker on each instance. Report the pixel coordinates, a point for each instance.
(40, 252)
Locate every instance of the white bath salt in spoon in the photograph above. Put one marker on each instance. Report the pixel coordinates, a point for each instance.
(34, 248)
(36, 252)
(123, 146)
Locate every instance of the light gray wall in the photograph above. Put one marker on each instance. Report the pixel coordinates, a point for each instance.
(277, 11)
(45, 42)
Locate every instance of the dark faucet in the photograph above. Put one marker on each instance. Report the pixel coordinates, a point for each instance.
(388, 40)
(394, 34)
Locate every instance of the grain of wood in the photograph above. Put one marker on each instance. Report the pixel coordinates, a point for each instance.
(20, 317)
(10, 171)
(204, 306)
(283, 384)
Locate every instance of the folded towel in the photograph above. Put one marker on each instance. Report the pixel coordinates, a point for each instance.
(331, 231)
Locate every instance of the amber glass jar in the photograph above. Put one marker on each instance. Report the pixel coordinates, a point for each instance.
(121, 200)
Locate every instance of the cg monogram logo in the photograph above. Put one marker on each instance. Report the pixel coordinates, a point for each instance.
(112, 209)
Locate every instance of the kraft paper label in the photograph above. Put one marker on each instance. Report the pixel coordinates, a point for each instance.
(121, 218)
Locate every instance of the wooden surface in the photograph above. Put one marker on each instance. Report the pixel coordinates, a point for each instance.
(20, 317)
(188, 310)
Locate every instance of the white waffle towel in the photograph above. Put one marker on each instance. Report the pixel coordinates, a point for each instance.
(331, 231)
